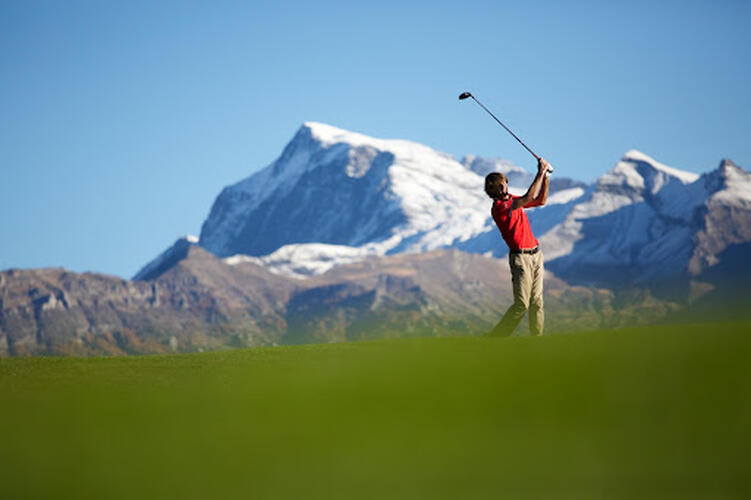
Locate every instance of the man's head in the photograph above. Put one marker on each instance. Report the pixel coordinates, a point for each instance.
(496, 185)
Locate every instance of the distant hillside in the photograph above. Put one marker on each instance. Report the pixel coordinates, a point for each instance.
(196, 301)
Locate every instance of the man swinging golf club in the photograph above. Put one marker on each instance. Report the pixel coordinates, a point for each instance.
(525, 256)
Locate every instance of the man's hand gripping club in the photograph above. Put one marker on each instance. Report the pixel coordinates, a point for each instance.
(537, 194)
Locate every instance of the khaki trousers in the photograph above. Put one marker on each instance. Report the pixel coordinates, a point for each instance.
(526, 276)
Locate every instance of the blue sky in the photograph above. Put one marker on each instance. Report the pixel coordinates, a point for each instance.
(120, 122)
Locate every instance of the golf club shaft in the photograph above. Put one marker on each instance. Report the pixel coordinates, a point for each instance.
(507, 129)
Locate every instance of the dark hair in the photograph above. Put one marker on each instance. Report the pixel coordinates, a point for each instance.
(493, 184)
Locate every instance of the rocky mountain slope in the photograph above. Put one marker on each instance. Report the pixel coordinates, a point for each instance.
(196, 301)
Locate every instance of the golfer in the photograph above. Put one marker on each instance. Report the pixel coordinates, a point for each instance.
(525, 256)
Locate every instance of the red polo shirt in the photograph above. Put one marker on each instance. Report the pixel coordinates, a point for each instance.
(513, 224)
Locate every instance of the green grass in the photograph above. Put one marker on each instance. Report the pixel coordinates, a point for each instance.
(643, 413)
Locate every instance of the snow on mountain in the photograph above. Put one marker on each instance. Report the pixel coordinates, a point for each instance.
(336, 197)
(724, 221)
(565, 196)
(734, 186)
(640, 223)
(336, 187)
(621, 217)
(641, 172)
(302, 260)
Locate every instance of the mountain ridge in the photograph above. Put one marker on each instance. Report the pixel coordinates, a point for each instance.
(639, 219)
(380, 196)
(199, 302)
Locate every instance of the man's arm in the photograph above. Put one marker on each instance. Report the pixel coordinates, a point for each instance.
(534, 189)
(542, 196)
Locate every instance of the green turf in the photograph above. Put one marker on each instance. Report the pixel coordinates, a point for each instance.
(644, 413)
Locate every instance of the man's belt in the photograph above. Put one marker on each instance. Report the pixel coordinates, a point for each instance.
(530, 251)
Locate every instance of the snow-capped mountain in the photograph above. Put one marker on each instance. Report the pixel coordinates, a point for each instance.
(342, 188)
(335, 197)
(724, 220)
(645, 222)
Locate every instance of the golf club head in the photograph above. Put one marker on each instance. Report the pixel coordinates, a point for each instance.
(464, 95)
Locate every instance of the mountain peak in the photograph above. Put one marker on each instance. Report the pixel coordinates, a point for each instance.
(727, 165)
(328, 134)
(726, 171)
(167, 259)
(637, 157)
(640, 172)
(338, 187)
(730, 184)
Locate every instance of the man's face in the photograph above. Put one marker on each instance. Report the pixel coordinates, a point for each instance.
(503, 188)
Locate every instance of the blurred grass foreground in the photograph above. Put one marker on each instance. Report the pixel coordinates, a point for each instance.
(658, 412)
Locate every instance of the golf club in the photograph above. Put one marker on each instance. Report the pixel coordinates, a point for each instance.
(465, 95)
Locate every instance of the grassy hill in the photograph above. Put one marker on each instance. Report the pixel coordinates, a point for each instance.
(643, 413)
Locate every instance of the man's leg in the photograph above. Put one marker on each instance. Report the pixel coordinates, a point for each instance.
(521, 278)
(536, 312)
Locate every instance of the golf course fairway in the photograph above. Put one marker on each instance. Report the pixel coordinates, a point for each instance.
(660, 412)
